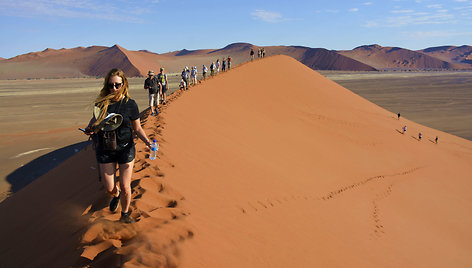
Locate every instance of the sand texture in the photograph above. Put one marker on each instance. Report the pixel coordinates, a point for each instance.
(268, 165)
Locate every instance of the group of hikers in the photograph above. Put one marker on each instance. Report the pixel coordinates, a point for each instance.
(260, 53)
(157, 85)
(189, 77)
(419, 133)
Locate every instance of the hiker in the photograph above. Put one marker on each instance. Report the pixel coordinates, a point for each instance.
(259, 53)
(164, 84)
(404, 129)
(223, 66)
(193, 75)
(217, 65)
(115, 121)
(185, 77)
(398, 116)
(182, 84)
(419, 136)
(263, 52)
(229, 62)
(204, 71)
(436, 139)
(152, 85)
(251, 54)
(212, 69)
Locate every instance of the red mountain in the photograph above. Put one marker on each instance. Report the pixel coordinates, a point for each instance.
(396, 58)
(97, 60)
(459, 55)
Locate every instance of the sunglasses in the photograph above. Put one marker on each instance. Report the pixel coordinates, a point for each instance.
(115, 85)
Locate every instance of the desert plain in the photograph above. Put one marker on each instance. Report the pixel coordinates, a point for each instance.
(251, 174)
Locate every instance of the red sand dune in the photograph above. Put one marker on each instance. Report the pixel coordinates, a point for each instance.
(459, 55)
(257, 173)
(396, 58)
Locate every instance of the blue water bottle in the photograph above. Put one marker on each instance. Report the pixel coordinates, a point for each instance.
(153, 153)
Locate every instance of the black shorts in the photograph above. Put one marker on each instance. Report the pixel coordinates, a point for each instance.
(164, 88)
(122, 156)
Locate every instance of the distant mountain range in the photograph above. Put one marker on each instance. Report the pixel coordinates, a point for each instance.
(97, 60)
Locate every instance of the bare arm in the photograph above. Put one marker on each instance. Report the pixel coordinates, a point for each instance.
(136, 125)
(88, 129)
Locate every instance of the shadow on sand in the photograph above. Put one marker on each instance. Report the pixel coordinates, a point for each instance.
(26, 174)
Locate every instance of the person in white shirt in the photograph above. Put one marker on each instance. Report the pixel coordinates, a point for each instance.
(193, 75)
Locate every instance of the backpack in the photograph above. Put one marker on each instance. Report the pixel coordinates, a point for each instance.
(162, 78)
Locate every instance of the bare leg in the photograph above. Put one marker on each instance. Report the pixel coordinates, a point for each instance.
(126, 171)
(108, 172)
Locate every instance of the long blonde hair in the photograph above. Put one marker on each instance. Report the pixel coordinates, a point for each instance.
(105, 97)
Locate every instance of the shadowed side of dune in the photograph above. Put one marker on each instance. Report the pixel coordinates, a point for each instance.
(41, 165)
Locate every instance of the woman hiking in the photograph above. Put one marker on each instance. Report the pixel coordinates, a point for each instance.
(115, 121)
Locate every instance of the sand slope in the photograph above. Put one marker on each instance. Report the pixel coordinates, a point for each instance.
(303, 173)
(268, 165)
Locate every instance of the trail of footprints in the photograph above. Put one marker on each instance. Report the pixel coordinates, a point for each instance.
(378, 228)
(153, 241)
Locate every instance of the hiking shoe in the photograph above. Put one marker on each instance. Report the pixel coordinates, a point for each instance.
(164, 102)
(157, 112)
(114, 202)
(125, 218)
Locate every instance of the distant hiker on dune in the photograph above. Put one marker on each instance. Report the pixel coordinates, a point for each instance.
(229, 62)
(212, 69)
(186, 77)
(398, 116)
(182, 84)
(263, 52)
(204, 71)
(164, 84)
(419, 136)
(251, 54)
(113, 126)
(152, 85)
(436, 139)
(404, 129)
(217, 65)
(193, 75)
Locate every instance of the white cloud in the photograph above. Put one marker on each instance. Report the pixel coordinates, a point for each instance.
(436, 6)
(353, 9)
(436, 34)
(371, 24)
(267, 16)
(420, 19)
(88, 9)
(402, 11)
(368, 3)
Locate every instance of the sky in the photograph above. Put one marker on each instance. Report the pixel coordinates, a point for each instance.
(162, 26)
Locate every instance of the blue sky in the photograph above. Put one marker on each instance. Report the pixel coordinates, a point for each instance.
(167, 25)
